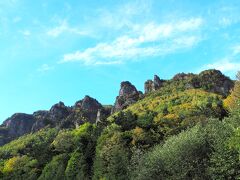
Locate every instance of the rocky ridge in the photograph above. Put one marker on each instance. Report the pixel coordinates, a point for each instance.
(90, 110)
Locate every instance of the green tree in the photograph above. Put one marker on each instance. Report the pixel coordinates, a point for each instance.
(77, 168)
(55, 169)
(182, 157)
(22, 167)
(111, 160)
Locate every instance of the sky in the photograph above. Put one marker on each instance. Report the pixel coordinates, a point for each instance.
(62, 50)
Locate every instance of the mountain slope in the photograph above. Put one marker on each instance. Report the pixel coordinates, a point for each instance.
(85, 141)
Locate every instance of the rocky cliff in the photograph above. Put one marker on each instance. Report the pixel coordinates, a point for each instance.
(153, 85)
(128, 94)
(59, 115)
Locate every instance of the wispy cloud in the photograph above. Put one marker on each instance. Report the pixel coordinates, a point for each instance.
(125, 15)
(236, 49)
(151, 39)
(64, 27)
(45, 68)
(16, 19)
(25, 32)
(229, 64)
(224, 65)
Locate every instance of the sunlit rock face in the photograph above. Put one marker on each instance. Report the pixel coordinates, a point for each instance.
(214, 81)
(128, 94)
(153, 85)
(19, 124)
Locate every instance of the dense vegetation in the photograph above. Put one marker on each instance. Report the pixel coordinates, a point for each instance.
(176, 132)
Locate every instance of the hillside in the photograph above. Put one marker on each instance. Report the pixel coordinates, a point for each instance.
(182, 128)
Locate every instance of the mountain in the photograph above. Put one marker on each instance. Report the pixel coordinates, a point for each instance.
(185, 116)
(86, 109)
(59, 115)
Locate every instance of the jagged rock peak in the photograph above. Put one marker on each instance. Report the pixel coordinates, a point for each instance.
(88, 103)
(127, 88)
(153, 85)
(58, 106)
(58, 112)
(128, 94)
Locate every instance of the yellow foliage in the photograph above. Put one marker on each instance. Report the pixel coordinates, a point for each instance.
(137, 134)
(10, 164)
(233, 100)
(137, 131)
(171, 116)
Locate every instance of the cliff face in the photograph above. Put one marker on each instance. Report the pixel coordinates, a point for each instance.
(128, 94)
(153, 85)
(19, 124)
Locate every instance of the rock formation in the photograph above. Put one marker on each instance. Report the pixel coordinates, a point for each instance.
(19, 124)
(88, 104)
(59, 115)
(214, 81)
(128, 94)
(90, 110)
(86, 110)
(153, 85)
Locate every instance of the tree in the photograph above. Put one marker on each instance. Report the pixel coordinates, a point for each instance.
(55, 169)
(63, 143)
(21, 166)
(232, 102)
(77, 168)
(127, 120)
(111, 160)
(183, 156)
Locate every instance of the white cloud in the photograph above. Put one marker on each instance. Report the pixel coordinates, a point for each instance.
(45, 68)
(64, 28)
(224, 65)
(236, 50)
(147, 40)
(16, 19)
(26, 32)
(124, 15)
(224, 21)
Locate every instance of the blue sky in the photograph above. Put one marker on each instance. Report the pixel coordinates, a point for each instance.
(56, 50)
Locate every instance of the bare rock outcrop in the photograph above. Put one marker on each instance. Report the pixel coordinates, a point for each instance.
(128, 94)
(153, 85)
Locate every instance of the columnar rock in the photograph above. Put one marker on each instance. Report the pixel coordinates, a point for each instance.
(128, 94)
(148, 86)
(98, 119)
(153, 85)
